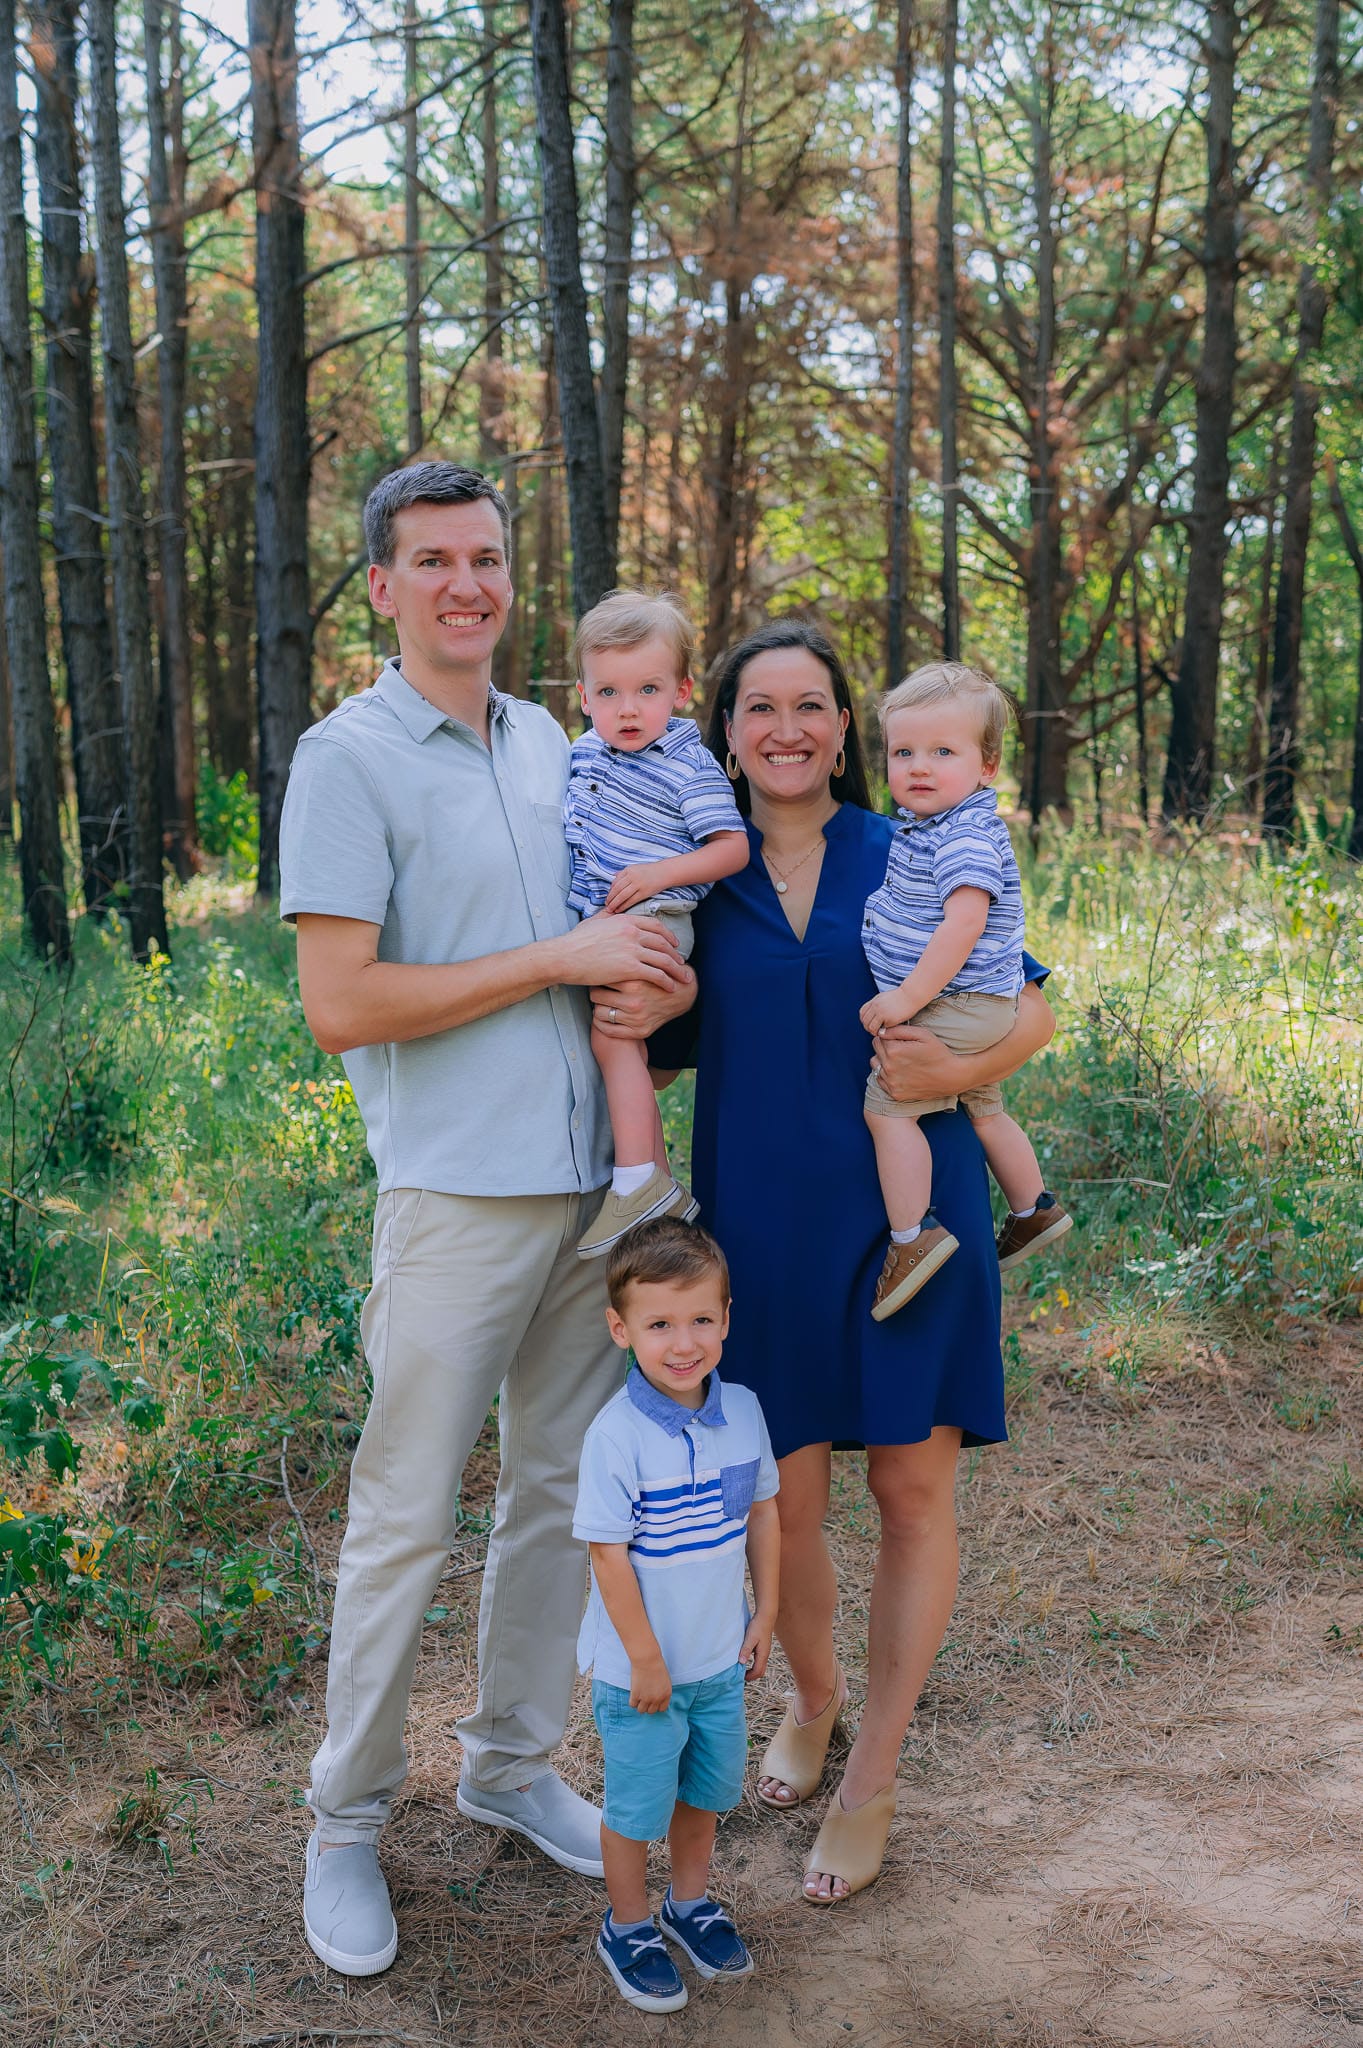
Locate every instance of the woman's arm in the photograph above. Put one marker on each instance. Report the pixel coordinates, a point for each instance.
(913, 1065)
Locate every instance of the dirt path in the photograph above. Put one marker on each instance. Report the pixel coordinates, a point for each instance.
(1131, 1811)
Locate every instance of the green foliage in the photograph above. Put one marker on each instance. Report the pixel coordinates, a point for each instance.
(228, 818)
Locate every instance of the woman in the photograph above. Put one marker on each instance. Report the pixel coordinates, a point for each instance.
(785, 1173)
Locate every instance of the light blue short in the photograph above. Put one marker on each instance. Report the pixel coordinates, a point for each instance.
(696, 1750)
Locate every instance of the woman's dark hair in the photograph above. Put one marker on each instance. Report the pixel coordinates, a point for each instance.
(852, 786)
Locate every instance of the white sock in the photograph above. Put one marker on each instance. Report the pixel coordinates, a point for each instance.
(627, 1180)
(905, 1236)
(1026, 1212)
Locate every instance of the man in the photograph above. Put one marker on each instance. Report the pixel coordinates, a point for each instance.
(422, 858)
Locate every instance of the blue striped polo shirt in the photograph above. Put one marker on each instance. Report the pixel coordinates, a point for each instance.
(966, 847)
(654, 805)
(675, 1484)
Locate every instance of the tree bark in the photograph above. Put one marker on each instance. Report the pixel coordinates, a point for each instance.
(1280, 774)
(41, 869)
(283, 620)
(619, 243)
(123, 460)
(1192, 730)
(238, 715)
(6, 730)
(1257, 737)
(411, 186)
(901, 451)
(68, 300)
(166, 180)
(507, 667)
(1044, 724)
(725, 485)
(946, 323)
(568, 303)
(1353, 547)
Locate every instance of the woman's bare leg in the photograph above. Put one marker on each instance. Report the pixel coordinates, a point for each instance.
(809, 1591)
(912, 1596)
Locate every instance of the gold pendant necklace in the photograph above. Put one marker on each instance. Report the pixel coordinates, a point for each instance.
(782, 875)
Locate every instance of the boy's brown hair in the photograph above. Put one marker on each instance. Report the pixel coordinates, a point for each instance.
(663, 1252)
(939, 682)
(626, 618)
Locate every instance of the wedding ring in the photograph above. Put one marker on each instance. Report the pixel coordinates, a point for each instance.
(875, 1066)
(612, 1016)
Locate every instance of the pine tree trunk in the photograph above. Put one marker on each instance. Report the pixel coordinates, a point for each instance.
(1353, 547)
(1045, 726)
(901, 454)
(68, 301)
(724, 480)
(6, 731)
(239, 716)
(619, 243)
(1192, 729)
(1257, 737)
(416, 432)
(123, 459)
(1280, 776)
(568, 303)
(166, 177)
(507, 667)
(41, 870)
(283, 621)
(946, 323)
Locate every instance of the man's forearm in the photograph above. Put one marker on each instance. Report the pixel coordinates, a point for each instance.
(388, 1002)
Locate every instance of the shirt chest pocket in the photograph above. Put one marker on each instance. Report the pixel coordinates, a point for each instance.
(549, 819)
(737, 1485)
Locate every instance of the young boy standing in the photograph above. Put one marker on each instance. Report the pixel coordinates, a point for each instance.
(652, 824)
(677, 1486)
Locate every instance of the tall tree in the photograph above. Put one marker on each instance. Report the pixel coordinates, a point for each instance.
(123, 461)
(946, 328)
(568, 304)
(282, 454)
(1046, 749)
(41, 868)
(166, 190)
(901, 451)
(411, 187)
(619, 246)
(1280, 776)
(724, 480)
(1192, 728)
(68, 300)
(1353, 547)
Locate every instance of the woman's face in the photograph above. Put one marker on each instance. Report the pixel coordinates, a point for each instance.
(786, 729)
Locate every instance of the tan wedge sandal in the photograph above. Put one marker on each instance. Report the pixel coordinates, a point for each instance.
(851, 1845)
(797, 1751)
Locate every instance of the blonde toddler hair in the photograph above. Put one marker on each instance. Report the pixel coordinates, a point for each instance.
(626, 618)
(940, 682)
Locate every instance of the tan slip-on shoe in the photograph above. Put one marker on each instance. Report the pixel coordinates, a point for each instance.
(798, 1750)
(908, 1266)
(658, 1196)
(851, 1845)
(1023, 1235)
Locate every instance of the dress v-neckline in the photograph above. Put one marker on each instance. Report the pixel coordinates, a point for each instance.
(801, 939)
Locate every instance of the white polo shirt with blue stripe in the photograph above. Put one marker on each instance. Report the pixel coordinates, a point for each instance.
(621, 807)
(675, 1484)
(966, 847)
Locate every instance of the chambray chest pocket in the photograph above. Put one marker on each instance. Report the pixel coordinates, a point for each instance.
(549, 818)
(737, 1485)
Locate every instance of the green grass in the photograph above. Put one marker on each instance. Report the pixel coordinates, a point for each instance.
(185, 1203)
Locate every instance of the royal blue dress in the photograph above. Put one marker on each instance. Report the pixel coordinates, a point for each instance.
(784, 1170)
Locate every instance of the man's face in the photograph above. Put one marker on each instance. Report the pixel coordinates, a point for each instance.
(447, 590)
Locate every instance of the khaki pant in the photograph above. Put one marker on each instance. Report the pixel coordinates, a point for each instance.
(965, 1023)
(471, 1294)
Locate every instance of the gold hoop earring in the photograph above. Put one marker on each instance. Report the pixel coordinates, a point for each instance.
(840, 764)
(731, 767)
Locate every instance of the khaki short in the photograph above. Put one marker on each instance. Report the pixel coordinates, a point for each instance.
(676, 918)
(964, 1023)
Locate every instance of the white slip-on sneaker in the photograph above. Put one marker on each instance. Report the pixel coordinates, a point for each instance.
(548, 1813)
(346, 1915)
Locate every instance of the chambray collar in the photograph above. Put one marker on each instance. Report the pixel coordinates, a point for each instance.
(669, 1414)
(981, 803)
(674, 735)
(417, 715)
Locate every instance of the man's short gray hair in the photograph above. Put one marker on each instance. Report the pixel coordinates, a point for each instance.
(425, 483)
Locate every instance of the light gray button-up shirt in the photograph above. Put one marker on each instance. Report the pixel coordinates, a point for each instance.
(401, 816)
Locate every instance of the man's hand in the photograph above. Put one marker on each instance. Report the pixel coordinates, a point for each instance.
(756, 1649)
(883, 1011)
(650, 1687)
(613, 949)
(637, 1012)
(633, 885)
(914, 1065)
